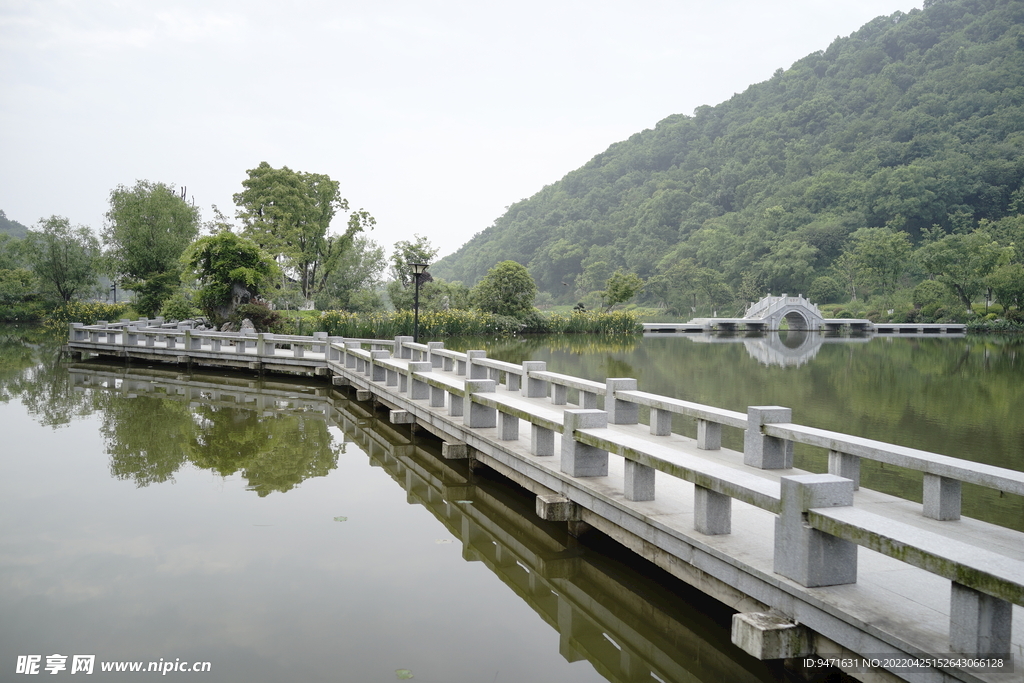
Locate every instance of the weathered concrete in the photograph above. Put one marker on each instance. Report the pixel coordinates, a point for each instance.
(727, 527)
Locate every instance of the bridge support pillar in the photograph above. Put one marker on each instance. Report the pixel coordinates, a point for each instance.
(808, 556)
(555, 507)
(581, 460)
(770, 636)
(766, 452)
(979, 624)
(451, 450)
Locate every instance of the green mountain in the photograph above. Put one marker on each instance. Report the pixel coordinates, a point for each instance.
(12, 228)
(915, 120)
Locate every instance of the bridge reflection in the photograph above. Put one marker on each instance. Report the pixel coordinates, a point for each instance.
(632, 626)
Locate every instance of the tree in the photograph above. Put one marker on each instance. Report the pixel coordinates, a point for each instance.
(231, 271)
(289, 214)
(65, 259)
(1007, 283)
(620, 288)
(356, 276)
(881, 256)
(148, 228)
(962, 262)
(507, 289)
(400, 289)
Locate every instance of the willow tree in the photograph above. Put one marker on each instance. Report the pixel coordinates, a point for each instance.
(289, 214)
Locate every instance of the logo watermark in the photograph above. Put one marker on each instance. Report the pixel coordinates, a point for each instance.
(86, 664)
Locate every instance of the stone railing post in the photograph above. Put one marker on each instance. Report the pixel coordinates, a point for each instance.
(418, 389)
(582, 460)
(979, 624)
(350, 358)
(401, 350)
(334, 354)
(846, 466)
(474, 370)
(941, 497)
(379, 371)
(435, 361)
(480, 416)
(766, 452)
(808, 556)
(620, 412)
(534, 388)
(319, 348)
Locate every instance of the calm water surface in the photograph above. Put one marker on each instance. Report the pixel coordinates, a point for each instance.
(281, 532)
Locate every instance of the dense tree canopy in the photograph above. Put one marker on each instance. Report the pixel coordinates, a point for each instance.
(148, 227)
(65, 259)
(290, 213)
(507, 289)
(230, 270)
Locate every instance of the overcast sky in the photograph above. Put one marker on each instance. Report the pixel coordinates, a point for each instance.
(433, 116)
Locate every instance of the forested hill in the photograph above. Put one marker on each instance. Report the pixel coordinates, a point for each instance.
(12, 228)
(916, 119)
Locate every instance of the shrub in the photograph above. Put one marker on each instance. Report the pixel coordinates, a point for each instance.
(263, 318)
(85, 313)
(179, 307)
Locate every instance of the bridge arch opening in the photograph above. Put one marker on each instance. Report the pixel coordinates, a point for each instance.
(797, 321)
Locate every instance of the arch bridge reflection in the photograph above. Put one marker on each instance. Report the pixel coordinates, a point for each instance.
(630, 627)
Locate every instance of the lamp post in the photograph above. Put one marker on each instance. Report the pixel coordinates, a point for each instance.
(417, 270)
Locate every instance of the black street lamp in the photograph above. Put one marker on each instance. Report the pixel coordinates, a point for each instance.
(417, 269)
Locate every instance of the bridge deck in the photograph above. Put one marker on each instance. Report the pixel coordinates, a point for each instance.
(893, 608)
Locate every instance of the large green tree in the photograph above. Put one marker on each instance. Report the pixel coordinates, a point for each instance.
(64, 258)
(149, 225)
(620, 288)
(881, 257)
(507, 289)
(962, 262)
(289, 213)
(400, 287)
(231, 270)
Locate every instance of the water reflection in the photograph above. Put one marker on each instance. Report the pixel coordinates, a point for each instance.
(226, 425)
(628, 626)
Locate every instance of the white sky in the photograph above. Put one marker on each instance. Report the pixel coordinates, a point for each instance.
(433, 116)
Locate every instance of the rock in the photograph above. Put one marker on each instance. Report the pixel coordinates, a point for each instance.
(247, 327)
(228, 327)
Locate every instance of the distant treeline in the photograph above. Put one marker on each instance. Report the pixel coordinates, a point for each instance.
(914, 121)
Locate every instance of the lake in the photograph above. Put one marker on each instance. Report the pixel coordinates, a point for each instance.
(280, 531)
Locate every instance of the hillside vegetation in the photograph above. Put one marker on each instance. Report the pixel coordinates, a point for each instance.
(914, 121)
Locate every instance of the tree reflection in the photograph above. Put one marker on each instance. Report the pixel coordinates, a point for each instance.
(149, 438)
(32, 369)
